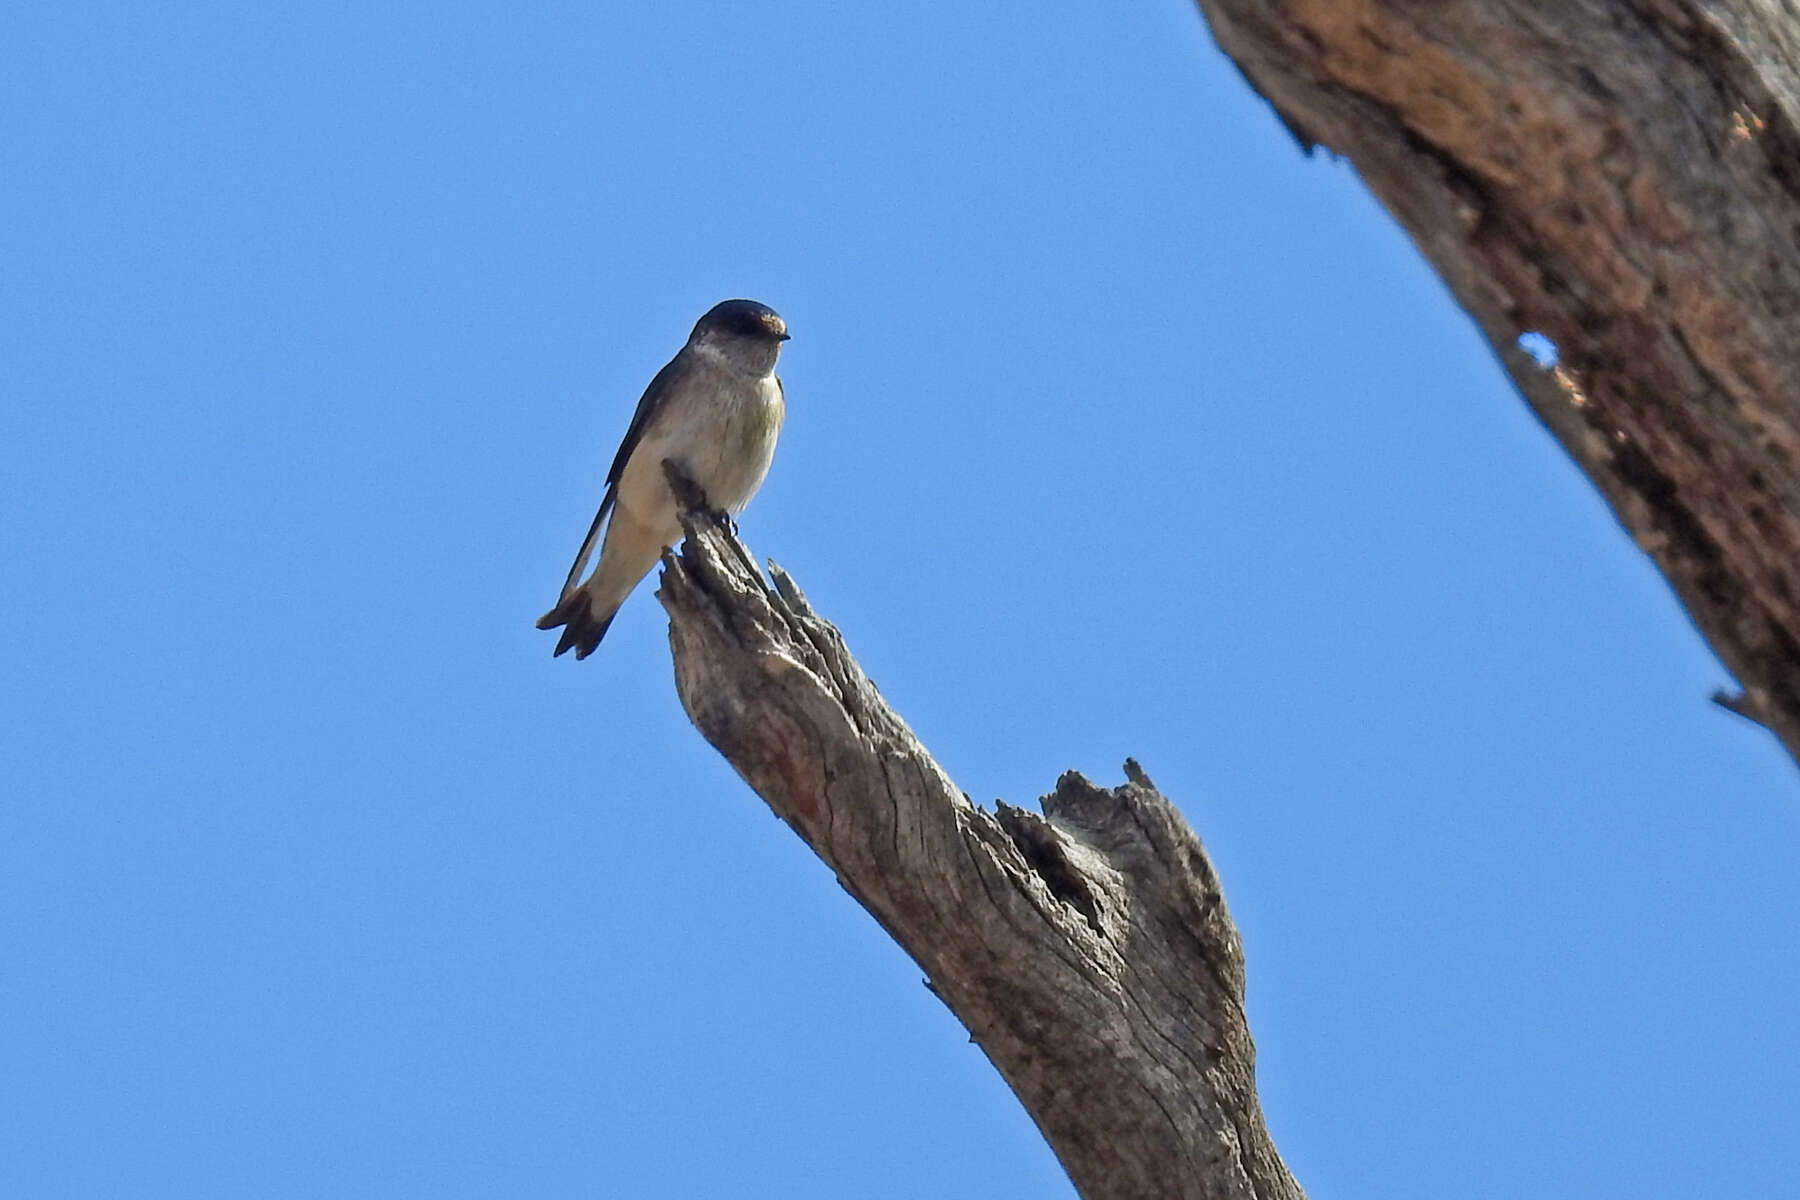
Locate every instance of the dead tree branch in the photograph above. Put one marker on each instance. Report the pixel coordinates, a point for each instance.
(1623, 177)
(1088, 951)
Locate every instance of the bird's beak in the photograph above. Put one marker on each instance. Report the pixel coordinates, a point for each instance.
(785, 337)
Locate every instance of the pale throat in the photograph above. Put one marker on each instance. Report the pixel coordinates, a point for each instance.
(755, 362)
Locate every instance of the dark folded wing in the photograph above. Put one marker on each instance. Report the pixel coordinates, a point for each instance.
(588, 543)
(647, 407)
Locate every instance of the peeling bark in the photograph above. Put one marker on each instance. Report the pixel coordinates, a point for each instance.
(1622, 177)
(1088, 951)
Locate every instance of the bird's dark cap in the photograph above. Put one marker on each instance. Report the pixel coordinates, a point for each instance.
(743, 318)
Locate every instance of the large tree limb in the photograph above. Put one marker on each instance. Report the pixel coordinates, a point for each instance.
(1088, 951)
(1623, 177)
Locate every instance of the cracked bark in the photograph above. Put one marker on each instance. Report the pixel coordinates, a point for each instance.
(1623, 177)
(1088, 951)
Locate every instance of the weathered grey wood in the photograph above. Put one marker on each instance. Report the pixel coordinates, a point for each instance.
(1088, 951)
(1622, 176)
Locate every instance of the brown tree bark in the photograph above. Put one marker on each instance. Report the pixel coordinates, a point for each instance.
(1623, 177)
(1088, 951)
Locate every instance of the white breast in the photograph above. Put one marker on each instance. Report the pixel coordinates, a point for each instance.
(727, 442)
(746, 445)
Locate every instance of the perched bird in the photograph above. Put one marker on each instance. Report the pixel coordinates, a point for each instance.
(714, 411)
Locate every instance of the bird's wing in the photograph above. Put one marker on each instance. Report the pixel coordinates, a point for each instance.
(648, 406)
(588, 543)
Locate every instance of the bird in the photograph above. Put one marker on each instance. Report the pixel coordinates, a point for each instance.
(714, 412)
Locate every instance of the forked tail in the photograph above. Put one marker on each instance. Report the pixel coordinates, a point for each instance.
(582, 630)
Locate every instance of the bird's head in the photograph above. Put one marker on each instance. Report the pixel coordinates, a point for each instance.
(743, 333)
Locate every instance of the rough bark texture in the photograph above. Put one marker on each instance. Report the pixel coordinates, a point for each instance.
(1623, 177)
(1088, 951)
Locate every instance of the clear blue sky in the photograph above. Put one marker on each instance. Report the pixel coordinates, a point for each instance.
(1116, 427)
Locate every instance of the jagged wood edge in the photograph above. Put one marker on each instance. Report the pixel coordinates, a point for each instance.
(1088, 952)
